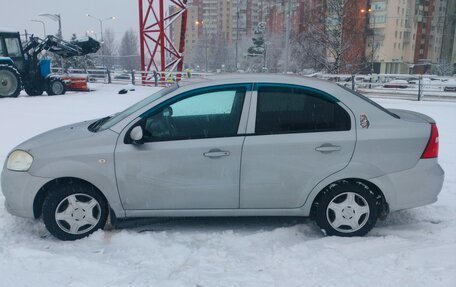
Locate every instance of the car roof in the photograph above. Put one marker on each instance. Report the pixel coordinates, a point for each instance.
(220, 79)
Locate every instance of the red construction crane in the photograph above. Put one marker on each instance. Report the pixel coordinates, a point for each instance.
(158, 52)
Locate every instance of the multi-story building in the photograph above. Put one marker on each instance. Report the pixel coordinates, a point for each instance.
(448, 43)
(411, 35)
(392, 38)
(191, 34)
(402, 36)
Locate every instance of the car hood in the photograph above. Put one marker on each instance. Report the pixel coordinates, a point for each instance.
(58, 136)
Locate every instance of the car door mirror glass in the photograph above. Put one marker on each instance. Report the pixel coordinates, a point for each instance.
(136, 134)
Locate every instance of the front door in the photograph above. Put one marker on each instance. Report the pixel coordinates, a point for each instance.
(301, 136)
(190, 158)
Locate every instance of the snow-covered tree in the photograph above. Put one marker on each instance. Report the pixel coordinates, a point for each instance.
(257, 52)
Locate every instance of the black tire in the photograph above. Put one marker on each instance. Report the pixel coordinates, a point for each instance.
(10, 81)
(338, 195)
(55, 87)
(33, 91)
(58, 198)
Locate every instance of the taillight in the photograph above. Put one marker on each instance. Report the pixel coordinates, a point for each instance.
(432, 148)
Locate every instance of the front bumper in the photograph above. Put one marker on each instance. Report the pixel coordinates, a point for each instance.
(20, 189)
(414, 187)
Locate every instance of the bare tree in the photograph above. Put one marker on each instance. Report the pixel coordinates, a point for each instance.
(128, 51)
(219, 52)
(108, 48)
(303, 52)
(443, 69)
(341, 36)
(274, 52)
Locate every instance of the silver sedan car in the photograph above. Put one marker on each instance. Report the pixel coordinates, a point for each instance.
(245, 145)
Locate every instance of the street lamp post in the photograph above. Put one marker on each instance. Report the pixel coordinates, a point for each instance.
(237, 35)
(44, 26)
(101, 23)
(371, 18)
(101, 31)
(202, 22)
(287, 35)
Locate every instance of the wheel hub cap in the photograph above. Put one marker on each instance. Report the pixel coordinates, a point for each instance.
(347, 212)
(78, 213)
(8, 83)
(57, 88)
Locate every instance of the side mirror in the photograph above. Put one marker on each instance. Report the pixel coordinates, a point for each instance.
(136, 134)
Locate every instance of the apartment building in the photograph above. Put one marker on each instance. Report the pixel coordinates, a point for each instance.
(412, 35)
(447, 12)
(402, 36)
(191, 35)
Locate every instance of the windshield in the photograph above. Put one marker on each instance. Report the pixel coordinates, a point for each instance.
(111, 121)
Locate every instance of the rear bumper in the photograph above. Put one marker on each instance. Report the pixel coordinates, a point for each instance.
(20, 189)
(414, 187)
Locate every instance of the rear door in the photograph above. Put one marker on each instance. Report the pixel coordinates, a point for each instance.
(298, 136)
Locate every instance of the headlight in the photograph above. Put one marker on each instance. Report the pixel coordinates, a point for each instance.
(19, 160)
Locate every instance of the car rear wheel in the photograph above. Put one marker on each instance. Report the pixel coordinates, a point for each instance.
(347, 209)
(10, 81)
(74, 211)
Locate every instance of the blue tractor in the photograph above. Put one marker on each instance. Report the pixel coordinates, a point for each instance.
(22, 68)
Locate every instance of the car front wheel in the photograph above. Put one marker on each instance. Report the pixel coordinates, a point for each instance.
(74, 211)
(347, 209)
(55, 87)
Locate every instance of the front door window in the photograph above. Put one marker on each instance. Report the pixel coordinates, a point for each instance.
(206, 114)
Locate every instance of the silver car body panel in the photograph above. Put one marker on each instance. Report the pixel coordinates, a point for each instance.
(387, 153)
(73, 151)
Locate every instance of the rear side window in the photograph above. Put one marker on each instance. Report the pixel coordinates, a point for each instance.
(295, 110)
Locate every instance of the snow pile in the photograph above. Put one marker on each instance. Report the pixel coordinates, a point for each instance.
(411, 248)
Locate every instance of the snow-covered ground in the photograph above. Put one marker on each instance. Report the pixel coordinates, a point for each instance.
(411, 248)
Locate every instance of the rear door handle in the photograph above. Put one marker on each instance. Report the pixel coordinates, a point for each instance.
(328, 148)
(216, 153)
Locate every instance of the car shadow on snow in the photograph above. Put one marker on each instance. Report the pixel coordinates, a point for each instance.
(218, 224)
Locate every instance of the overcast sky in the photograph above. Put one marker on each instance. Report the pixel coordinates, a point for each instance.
(16, 15)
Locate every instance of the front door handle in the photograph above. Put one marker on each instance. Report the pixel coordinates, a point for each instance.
(328, 148)
(216, 153)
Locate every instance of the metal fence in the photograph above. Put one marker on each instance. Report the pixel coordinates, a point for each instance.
(389, 85)
(397, 85)
(133, 77)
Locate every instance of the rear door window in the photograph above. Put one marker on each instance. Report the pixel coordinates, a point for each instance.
(290, 109)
